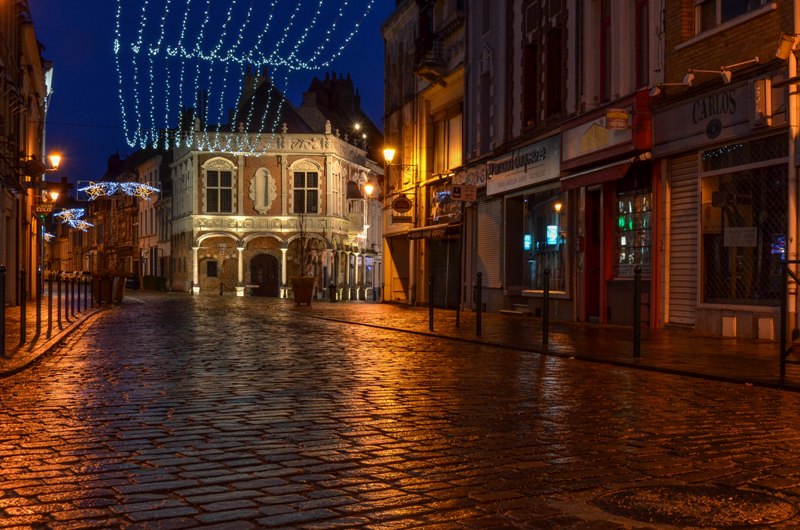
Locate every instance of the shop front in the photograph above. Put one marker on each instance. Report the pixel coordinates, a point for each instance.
(608, 175)
(726, 172)
(535, 230)
(440, 244)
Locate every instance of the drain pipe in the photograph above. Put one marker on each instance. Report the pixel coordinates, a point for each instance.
(791, 251)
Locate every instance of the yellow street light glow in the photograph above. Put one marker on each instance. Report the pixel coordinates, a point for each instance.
(55, 160)
(388, 155)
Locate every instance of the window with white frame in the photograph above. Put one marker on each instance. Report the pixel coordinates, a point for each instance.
(711, 13)
(219, 187)
(306, 192)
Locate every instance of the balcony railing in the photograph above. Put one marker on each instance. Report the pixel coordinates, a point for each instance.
(429, 57)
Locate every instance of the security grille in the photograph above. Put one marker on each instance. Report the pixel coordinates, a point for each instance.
(744, 224)
(750, 152)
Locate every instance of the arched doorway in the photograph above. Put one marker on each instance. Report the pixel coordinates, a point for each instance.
(264, 272)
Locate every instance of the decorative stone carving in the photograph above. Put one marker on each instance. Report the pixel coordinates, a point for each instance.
(263, 190)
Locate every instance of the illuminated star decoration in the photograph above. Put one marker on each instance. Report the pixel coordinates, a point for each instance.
(194, 53)
(105, 189)
(48, 237)
(72, 217)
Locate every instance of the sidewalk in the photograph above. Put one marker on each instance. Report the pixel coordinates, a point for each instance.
(18, 355)
(671, 350)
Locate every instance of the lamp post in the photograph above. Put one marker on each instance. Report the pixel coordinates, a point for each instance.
(47, 200)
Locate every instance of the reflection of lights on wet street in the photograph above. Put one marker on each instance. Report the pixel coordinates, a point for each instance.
(201, 410)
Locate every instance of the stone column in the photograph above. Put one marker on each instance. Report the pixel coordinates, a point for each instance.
(240, 286)
(356, 275)
(284, 293)
(195, 272)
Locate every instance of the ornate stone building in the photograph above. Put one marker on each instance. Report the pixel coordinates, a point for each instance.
(240, 214)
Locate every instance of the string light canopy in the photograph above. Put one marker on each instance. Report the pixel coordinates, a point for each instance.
(73, 218)
(175, 55)
(105, 189)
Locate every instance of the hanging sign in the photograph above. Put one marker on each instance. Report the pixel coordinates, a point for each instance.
(401, 204)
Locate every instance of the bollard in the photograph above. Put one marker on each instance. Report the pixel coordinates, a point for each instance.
(374, 293)
(458, 312)
(546, 308)
(478, 303)
(23, 308)
(66, 300)
(784, 316)
(332, 291)
(85, 293)
(637, 311)
(2, 310)
(58, 304)
(430, 302)
(38, 301)
(72, 294)
(90, 288)
(49, 305)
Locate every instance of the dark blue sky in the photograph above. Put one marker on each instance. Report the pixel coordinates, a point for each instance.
(85, 119)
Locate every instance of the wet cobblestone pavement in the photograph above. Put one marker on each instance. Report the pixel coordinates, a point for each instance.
(183, 412)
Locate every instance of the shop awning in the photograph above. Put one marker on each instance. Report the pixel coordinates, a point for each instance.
(596, 175)
(433, 231)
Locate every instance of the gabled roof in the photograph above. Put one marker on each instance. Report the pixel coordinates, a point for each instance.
(263, 108)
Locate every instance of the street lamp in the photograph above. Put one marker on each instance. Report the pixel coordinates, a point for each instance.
(401, 204)
(55, 161)
(47, 200)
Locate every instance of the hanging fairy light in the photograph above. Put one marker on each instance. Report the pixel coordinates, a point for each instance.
(48, 237)
(155, 58)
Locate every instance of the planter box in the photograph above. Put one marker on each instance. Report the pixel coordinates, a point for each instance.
(303, 289)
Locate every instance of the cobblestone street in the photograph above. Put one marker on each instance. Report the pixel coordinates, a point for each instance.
(177, 412)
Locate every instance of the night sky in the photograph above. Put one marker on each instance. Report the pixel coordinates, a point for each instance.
(85, 120)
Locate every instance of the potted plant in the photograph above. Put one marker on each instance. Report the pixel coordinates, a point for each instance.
(303, 282)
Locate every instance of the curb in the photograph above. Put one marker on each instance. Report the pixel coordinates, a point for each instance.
(37, 352)
(569, 356)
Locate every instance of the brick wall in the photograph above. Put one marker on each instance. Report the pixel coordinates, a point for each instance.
(757, 36)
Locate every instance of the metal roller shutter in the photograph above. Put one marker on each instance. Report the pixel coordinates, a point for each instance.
(490, 242)
(683, 229)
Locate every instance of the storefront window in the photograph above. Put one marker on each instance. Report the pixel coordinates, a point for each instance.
(744, 224)
(633, 231)
(545, 240)
(442, 207)
(744, 221)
